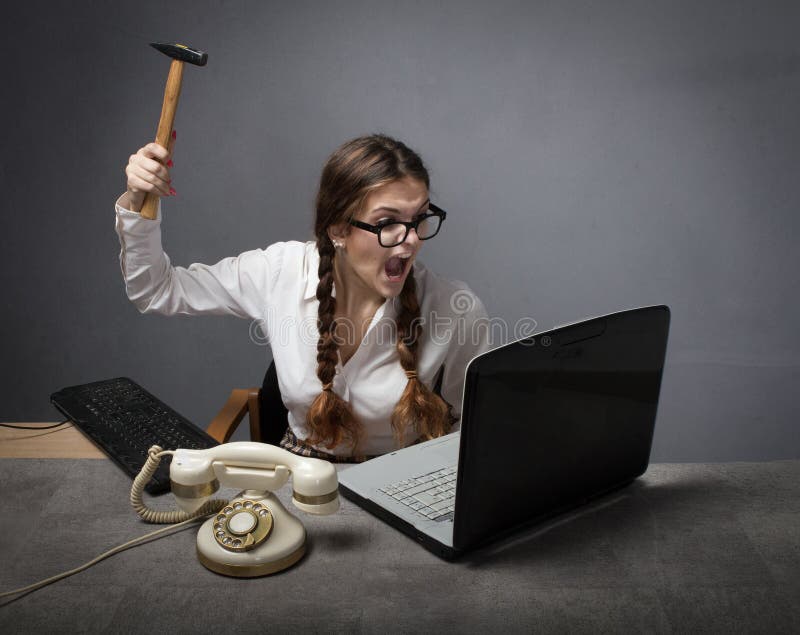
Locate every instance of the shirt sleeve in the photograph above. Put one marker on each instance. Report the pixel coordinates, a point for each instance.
(470, 338)
(239, 285)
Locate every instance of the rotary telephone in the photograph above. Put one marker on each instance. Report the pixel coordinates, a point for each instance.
(252, 534)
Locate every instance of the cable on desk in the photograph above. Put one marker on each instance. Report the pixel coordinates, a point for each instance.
(9, 425)
(154, 455)
(131, 543)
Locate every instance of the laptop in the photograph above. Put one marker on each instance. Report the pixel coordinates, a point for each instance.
(548, 423)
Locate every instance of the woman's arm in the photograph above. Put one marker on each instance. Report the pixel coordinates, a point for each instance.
(239, 286)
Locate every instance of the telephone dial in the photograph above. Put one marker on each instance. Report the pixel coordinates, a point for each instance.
(253, 534)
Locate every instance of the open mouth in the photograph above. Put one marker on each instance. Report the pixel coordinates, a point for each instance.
(396, 267)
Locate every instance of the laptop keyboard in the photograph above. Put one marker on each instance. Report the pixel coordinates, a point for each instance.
(430, 495)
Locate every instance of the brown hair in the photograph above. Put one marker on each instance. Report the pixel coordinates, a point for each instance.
(352, 171)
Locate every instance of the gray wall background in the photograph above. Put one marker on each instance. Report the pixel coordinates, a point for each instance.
(594, 156)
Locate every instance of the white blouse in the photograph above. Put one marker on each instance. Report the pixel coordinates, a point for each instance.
(276, 289)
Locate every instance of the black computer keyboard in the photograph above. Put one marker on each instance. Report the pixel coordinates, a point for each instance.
(124, 420)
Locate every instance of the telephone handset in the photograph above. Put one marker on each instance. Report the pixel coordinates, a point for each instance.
(252, 534)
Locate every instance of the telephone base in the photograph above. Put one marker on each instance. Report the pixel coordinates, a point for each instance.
(284, 546)
(251, 571)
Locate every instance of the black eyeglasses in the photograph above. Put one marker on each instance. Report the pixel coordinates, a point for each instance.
(393, 232)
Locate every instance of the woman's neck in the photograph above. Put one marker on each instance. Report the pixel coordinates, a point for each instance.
(353, 297)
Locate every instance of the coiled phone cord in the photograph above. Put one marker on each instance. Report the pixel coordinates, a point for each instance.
(154, 455)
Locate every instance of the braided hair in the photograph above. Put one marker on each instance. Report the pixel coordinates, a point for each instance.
(351, 172)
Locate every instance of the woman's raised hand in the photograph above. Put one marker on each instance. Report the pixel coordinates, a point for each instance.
(148, 171)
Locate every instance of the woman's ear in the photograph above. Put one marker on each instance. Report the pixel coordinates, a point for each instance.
(338, 232)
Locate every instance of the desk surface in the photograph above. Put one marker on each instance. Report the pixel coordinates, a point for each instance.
(64, 442)
(712, 547)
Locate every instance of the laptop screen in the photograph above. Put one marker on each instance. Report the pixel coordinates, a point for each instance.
(557, 419)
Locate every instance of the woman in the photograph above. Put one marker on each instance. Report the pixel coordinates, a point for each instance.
(360, 331)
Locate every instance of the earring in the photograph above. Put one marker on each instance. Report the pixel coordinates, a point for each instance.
(337, 244)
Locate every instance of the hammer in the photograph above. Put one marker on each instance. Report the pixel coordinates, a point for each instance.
(179, 53)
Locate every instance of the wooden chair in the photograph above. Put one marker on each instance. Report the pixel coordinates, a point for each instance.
(264, 407)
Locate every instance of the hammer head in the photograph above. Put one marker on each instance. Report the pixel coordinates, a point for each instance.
(182, 52)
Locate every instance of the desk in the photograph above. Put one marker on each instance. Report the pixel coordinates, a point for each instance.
(687, 547)
(66, 442)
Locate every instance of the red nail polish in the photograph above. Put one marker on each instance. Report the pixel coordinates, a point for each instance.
(169, 163)
(174, 135)
(172, 192)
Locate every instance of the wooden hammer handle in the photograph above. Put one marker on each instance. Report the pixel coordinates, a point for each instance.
(172, 93)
